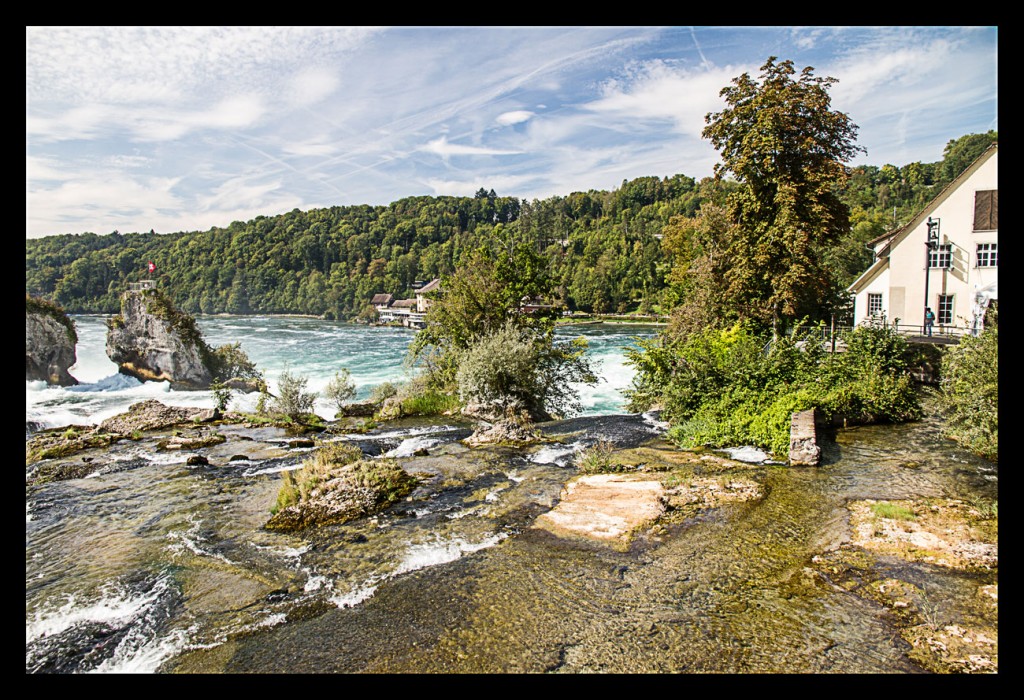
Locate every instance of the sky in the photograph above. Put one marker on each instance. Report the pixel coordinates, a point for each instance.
(189, 128)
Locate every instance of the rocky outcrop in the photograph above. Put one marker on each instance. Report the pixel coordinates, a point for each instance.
(345, 493)
(152, 341)
(49, 343)
(153, 415)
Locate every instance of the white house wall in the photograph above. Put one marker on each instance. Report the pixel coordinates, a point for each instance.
(903, 283)
(879, 285)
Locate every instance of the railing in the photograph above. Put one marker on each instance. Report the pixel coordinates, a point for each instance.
(939, 330)
(141, 286)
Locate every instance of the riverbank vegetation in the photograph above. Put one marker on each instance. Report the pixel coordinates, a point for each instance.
(970, 390)
(731, 368)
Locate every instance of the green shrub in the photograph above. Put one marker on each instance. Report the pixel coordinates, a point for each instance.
(599, 458)
(221, 396)
(516, 368)
(340, 389)
(970, 391)
(292, 399)
(229, 361)
(383, 391)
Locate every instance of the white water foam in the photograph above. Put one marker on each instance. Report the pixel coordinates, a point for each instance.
(421, 556)
(409, 446)
(115, 607)
(560, 455)
(354, 597)
(136, 654)
(190, 541)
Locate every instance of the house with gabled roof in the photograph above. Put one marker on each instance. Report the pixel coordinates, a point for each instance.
(946, 259)
(408, 312)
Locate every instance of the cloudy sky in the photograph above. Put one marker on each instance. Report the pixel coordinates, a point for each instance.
(182, 129)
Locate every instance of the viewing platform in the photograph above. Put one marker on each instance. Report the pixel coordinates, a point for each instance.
(141, 286)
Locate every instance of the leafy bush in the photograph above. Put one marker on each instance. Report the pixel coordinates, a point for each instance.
(735, 386)
(514, 368)
(221, 396)
(340, 389)
(383, 391)
(970, 391)
(292, 399)
(229, 361)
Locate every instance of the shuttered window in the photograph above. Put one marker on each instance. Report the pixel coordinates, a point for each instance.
(986, 210)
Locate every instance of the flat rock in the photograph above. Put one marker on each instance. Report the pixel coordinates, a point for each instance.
(604, 507)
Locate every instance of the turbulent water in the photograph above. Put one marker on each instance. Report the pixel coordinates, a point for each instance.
(308, 347)
(152, 565)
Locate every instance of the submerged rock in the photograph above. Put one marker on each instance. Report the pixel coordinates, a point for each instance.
(50, 339)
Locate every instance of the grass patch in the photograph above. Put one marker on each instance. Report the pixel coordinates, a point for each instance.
(892, 511)
(599, 458)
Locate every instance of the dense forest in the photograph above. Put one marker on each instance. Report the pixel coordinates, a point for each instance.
(607, 251)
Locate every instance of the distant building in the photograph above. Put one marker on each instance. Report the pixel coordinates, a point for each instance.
(946, 258)
(408, 312)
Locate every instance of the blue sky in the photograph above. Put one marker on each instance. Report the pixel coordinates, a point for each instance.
(182, 129)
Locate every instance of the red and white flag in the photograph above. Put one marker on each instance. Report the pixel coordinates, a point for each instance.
(152, 267)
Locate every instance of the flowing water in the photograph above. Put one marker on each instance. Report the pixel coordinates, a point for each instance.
(308, 347)
(151, 565)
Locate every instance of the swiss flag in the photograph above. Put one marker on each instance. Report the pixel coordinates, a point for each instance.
(152, 267)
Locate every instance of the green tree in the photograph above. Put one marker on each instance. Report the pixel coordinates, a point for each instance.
(787, 147)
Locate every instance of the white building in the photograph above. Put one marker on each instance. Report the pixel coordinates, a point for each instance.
(958, 234)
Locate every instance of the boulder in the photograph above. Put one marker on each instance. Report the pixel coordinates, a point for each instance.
(344, 493)
(605, 507)
(49, 343)
(150, 415)
(152, 341)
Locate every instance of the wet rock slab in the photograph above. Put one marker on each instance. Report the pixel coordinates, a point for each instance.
(605, 507)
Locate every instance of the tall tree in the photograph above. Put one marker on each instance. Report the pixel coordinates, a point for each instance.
(787, 147)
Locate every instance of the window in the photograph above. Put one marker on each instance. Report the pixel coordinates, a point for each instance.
(941, 256)
(986, 210)
(988, 255)
(945, 315)
(874, 304)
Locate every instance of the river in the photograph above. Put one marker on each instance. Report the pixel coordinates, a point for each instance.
(155, 566)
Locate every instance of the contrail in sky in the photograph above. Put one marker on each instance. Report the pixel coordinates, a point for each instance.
(693, 34)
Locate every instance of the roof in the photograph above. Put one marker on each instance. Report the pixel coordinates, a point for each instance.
(381, 299)
(900, 234)
(937, 199)
(404, 303)
(431, 286)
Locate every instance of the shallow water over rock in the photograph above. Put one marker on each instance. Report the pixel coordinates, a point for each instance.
(166, 567)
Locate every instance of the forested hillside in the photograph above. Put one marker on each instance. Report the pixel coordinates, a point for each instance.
(604, 249)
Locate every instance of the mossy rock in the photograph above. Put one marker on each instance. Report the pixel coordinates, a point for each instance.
(345, 493)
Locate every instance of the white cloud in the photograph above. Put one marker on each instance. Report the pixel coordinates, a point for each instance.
(515, 117)
(441, 147)
(312, 86)
(657, 91)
